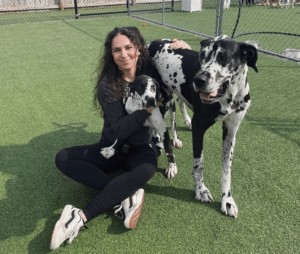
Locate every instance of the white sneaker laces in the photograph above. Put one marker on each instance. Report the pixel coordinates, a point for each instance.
(119, 211)
(125, 205)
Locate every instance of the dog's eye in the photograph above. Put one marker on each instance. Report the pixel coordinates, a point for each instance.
(153, 88)
(222, 58)
(202, 55)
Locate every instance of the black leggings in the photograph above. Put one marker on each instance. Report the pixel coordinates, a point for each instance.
(86, 165)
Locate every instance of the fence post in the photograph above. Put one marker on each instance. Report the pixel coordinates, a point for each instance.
(163, 12)
(128, 7)
(219, 17)
(172, 6)
(76, 9)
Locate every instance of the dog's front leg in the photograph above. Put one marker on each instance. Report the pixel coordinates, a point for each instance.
(157, 121)
(171, 171)
(176, 141)
(202, 193)
(230, 127)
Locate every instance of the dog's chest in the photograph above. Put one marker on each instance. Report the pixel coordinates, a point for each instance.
(238, 104)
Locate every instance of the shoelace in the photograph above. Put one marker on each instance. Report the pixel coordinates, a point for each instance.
(74, 233)
(119, 209)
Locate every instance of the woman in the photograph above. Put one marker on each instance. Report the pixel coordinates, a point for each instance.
(125, 57)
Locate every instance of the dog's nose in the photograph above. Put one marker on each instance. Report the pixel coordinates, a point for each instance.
(150, 101)
(201, 79)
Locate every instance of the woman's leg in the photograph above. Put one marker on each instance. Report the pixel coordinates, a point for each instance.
(86, 165)
(82, 164)
(141, 164)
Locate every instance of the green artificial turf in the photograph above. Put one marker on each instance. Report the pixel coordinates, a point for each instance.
(46, 94)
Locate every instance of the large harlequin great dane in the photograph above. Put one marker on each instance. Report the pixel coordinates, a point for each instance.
(214, 84)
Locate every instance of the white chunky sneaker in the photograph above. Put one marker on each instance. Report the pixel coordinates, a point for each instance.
(67, 227)
(131, 207)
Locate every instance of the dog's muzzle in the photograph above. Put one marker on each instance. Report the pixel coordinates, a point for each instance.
(150, 102)
(209, 97)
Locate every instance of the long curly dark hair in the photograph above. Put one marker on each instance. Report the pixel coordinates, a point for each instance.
(108, 67)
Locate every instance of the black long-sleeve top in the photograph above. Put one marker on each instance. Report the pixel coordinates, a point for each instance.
(119, 124)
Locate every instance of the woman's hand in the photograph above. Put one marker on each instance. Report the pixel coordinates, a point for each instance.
(179, 45)
(151, 108)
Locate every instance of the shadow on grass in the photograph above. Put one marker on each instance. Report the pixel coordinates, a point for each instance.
(184, 195)
(34, 190)
(282, 127)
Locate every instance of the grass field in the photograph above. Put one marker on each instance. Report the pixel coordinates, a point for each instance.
(46, 105)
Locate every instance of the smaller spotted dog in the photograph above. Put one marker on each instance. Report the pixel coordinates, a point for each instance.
(144, 92)
(214, 84)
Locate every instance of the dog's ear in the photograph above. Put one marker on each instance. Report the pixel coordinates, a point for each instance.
(128, 88)
(249, 53)
(204, 42)
(158, 96)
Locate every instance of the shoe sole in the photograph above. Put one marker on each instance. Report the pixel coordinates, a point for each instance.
(136, 215)
(63, 215)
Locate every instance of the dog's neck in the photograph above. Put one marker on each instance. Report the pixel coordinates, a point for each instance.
(238, 88)
(238, 85)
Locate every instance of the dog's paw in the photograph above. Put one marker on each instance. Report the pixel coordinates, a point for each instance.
(171, 171)
(177, 143)
(229, 207)
(107, 152)
(203, 194)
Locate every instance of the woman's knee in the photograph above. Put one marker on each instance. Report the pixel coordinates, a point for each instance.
(61, 158)
(148, 171)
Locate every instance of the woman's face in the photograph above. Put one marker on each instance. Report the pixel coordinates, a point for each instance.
(125, 54)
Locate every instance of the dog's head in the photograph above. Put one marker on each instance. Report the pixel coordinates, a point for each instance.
(145, 91)
(221, 60)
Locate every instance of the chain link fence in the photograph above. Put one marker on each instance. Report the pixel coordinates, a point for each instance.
(24, 11)
(198, 17)
(273, 26)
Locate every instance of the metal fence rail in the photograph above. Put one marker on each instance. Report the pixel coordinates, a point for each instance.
(23, 11)
(273, 26)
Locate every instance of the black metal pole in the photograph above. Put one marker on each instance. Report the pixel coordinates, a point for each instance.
(128, 7)
(172, 5)
(76, 9)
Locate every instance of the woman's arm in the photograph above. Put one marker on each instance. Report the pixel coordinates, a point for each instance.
(121, 123)
(179, 45)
